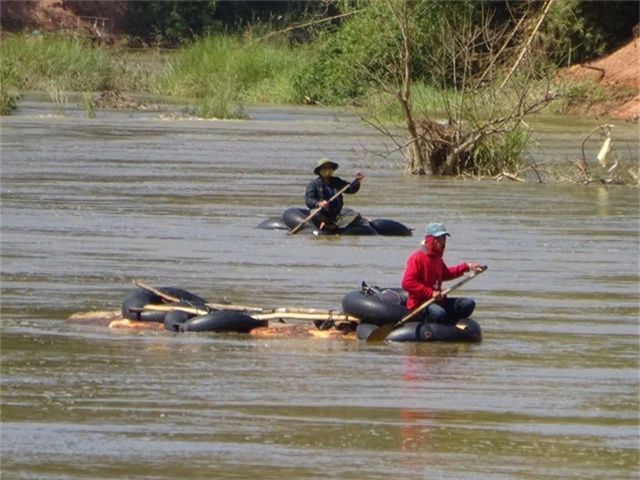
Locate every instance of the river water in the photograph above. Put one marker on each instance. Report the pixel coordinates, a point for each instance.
(88, 205)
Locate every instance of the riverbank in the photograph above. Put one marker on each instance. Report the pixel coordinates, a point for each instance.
(251, 74)
(219, 76)
(618, 75)
(608, 87)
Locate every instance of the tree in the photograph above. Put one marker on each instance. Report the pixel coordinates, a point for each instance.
(488, 79)
(169, 23)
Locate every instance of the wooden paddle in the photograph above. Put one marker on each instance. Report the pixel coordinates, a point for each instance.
(315, 211)
(380, 333)
(160, 293)
(218, 306)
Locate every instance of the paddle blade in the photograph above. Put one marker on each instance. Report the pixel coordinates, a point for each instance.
(380, 334)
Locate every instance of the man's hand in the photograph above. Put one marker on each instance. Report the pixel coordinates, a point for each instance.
(359, 177)
(476, 267)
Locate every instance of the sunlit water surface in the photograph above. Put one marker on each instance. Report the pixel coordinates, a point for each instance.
(90, 205)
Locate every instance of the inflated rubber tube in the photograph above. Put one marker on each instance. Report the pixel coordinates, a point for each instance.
(273, 223)
(373, 309)
(175, 318)
(139, 297)
(390, 228)
(222, 321)
(292, 217)
(361, 227)
(466, 330)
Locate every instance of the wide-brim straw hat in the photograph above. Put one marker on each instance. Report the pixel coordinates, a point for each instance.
(322, 162)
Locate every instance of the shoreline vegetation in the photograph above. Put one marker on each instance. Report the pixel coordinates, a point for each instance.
(213, 75)
(217, 75)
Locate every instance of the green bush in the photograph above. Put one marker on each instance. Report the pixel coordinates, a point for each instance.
(363, 53)
(498, 154)
(337, 74)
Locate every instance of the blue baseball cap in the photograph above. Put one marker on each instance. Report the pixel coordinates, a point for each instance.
(436, 230)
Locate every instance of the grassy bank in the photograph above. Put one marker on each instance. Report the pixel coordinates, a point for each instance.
(216, 73)
(57, 63)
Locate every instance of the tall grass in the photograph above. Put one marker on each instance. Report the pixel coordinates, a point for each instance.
(72, 65)
(219, 70)
(425, 99)
(63, 60)
(218, 73)
(10, 84)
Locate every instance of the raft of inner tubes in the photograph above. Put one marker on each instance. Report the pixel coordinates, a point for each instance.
(374, 307)
(292, 217)
(136, 305)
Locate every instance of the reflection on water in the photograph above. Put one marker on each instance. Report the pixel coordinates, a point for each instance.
(87, 206)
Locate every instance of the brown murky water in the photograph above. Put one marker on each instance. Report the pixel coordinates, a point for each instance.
(90, 205)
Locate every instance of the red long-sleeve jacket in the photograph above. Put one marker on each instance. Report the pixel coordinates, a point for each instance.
(425, 273)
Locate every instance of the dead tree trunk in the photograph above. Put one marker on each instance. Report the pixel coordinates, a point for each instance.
(415, 161)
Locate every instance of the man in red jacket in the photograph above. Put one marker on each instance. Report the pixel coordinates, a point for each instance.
(423, 276)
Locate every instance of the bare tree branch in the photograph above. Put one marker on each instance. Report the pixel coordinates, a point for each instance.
(291, 28)
(526, 46)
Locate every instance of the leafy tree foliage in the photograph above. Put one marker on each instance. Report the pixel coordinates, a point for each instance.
(169, 23)
(369, 42)
(583, 29)
(240, 14)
